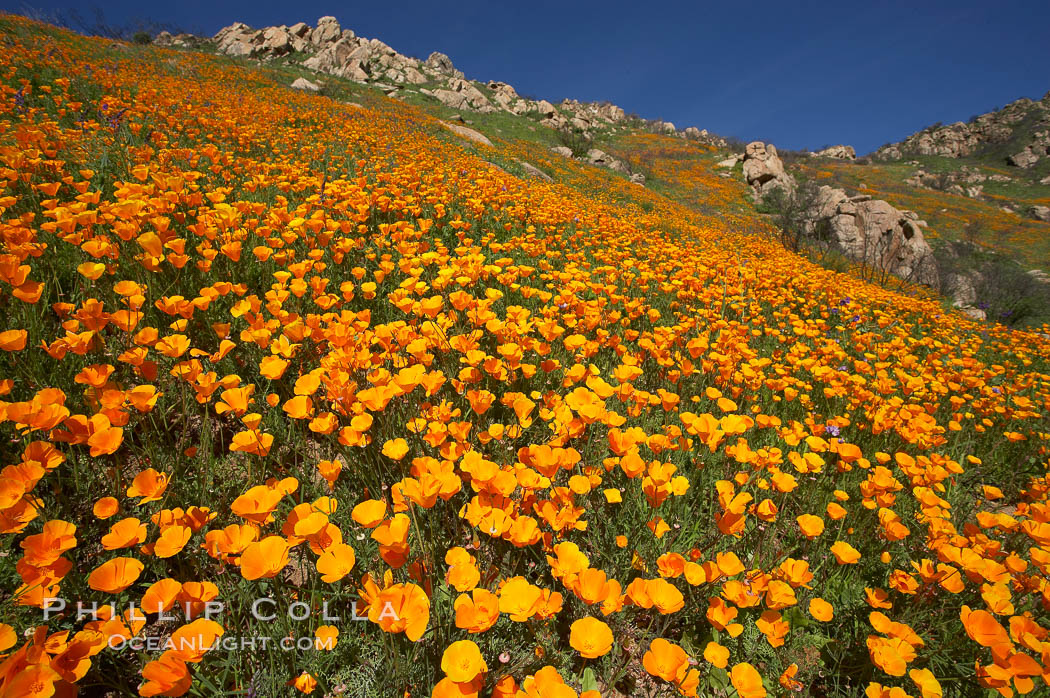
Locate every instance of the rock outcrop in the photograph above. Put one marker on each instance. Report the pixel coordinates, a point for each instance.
(332, 50)
(764, 171)
(864, 229)
(305, 85)
(441, 64)
(534, 172)
(468, 133)
(327, 31)
(507, 98)
(1038, 149)
(876, 233)
(600, 158)
(181, 40)
(838, 152)
(1023, 121)
(461, 94)
(272, 42)
(603, 159)
(338, 59)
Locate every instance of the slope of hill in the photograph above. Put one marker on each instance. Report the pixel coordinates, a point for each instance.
(460, 419)
(329, 49)
(1005, 211)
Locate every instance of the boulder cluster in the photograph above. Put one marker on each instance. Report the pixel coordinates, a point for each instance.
(600, 158)
(966, 181)
(969, 181)
(955, 181)
(333, 50)
(875, 232)
(764, 170)
(837, 152)
(1032, 153)
(864, 229)
(1024, 118)
(181, 40)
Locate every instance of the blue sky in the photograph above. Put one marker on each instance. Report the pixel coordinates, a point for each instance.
(800, 74)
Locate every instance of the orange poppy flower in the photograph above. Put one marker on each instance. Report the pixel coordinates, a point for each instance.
(160, 596)
(821, 610)
(787, 678)
(105, 507)
(811, 526)
(506, 687)
(665, 596)
(336, 562)
(478, 611)
(890, 654)
(326, 637)
(716, 654)
(665, 660)
(369, 513)
(116, 575)
(166, 675)
(519, 599)
(265, 558)
(395, 449)
(983, 628)
(928, 684)
(772, 625)
(149, 484)
(590, 637)
(13, 340)
(257, 504)
(104, 438)
(447, 688)
(845, 554)
(191, 641)
(304, 683)
(747, 681)
(462, 661)
(44, 548)
(172, 540)
(401, 608)
(34, 681)
(124, 534)
(8, 638)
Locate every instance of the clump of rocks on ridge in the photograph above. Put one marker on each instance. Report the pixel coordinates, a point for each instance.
(330, 49)
(1024, 125)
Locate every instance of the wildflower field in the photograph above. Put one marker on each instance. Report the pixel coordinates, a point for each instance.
(269, 359)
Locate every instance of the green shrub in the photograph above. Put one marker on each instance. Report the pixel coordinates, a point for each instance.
(576, 140)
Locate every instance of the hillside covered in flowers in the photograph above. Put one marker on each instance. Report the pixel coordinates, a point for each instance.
(276, 366)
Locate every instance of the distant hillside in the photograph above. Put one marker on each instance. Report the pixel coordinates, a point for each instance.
(1018, 134)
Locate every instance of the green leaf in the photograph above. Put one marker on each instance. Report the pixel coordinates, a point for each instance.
(589, 682)
(718, 678)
